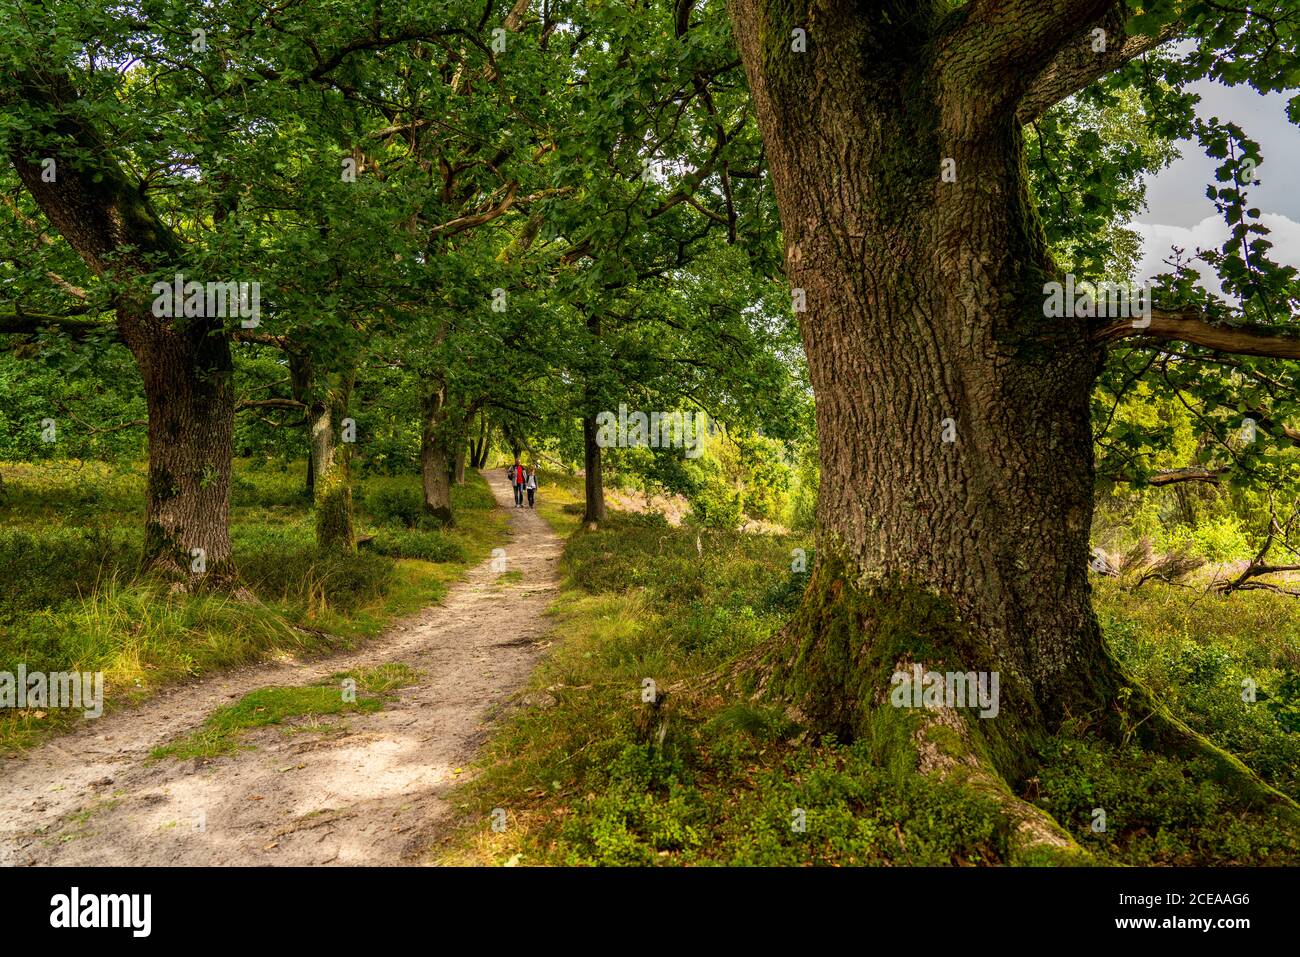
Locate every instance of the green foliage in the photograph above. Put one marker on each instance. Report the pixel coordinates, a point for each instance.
(1219, 539)
(716, 505)
(1284, 702)
(396, 505)
(1200, 655)
(284, 565)
(45, 569)
(430, 546)
(713, 777)
(1158, 810)
(85, 392)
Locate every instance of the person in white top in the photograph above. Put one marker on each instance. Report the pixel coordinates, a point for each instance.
(531, 485)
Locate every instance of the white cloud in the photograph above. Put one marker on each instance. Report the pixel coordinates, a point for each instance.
(1210, 233)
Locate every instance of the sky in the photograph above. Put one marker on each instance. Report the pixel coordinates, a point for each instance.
(1179, 214)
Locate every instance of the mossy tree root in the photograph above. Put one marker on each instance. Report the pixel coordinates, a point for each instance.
(833, 669)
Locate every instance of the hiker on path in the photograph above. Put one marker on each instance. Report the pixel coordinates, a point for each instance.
(531, 485)
(517, 482)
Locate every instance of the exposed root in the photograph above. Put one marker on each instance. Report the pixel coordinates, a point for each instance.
(947, 750)
(1160, 732)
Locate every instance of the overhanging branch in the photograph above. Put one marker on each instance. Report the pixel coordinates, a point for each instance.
(1244, 339)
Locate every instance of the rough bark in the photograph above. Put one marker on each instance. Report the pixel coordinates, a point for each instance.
(594, 482)
(190, 402)
(435, 457)
(185, 364)
(953, 417)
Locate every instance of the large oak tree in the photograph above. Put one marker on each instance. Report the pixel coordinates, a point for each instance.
(953, 415)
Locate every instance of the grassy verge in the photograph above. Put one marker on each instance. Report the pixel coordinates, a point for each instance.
(559, 501)
(589, 774)
(71, 599)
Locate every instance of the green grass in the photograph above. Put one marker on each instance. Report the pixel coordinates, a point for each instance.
(559, 500)
(221, 732)
(1200, 654)
(71, 598)
(597, 777)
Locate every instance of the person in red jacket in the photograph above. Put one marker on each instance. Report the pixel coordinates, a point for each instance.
(516, 474)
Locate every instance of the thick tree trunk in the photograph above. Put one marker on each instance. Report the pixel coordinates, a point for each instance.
(190, 398)
(953, 418)
(437, 487)
(594, 481)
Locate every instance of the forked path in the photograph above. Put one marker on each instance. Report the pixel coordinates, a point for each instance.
(371, 792)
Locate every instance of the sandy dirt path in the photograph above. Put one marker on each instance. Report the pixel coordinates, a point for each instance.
(371, 792)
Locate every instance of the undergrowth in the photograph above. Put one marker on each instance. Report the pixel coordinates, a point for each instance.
(590, 773)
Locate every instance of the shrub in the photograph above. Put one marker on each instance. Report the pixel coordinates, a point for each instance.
(396, 505)
(43, 569)
(1158, 810)
(715, 504)
(430, 546)
(284, 564)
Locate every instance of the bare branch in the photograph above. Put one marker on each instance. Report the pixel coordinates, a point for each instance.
(268, 404)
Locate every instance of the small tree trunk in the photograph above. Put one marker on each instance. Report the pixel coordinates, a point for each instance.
(594, 512)
(458, 473)
(594, 483)
(300, 386)
(330, 458)
(479, 458)
(435, 461)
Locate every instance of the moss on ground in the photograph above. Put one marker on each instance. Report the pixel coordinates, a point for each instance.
(350, 692)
